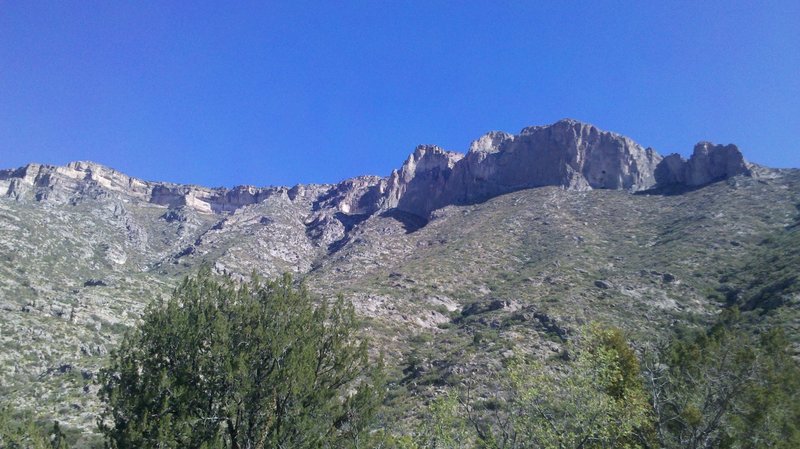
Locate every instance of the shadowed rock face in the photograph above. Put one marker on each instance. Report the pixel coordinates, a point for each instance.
(708, 163)
(568, 153)
(423, 181)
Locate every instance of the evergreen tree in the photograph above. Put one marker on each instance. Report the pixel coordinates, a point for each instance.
(725, 388)
(20, 431)
(226, 366)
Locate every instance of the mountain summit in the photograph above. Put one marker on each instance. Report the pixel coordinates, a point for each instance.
(568, 154)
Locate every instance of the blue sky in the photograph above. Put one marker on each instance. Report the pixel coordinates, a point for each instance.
(279, 93)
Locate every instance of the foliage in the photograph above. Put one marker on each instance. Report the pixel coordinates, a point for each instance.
(22, 432)
(721, 388)
(596, 400)
(725, 388)
(770, 276)
(441, 427)
(253, 366)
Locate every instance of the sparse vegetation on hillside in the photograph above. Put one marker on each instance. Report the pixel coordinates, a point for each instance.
(449, 300)
(719, 388)
(258, 365)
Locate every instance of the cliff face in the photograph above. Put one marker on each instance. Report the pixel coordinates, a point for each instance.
(708, 163)
(568, 154)
(62, 184)
(422, 183)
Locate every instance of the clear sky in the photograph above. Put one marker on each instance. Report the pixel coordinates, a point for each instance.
(278, 93)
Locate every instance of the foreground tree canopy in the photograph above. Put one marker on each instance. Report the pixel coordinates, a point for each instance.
(597, 401)
(19, 431)
(262, 365)
(225, 366)
(725, 387)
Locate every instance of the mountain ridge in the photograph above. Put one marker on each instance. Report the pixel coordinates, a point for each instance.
(448, 250)
(568, 153)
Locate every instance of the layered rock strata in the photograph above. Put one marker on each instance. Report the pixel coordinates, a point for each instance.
(568, 153)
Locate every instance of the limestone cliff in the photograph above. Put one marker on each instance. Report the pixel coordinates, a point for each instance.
(569, 154)
(708, 163)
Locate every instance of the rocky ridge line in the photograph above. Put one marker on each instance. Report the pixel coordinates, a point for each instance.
(568, 153)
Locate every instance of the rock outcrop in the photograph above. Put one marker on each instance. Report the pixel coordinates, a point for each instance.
(62, 184)
(421, 185)
(568, 154)
(708, 163)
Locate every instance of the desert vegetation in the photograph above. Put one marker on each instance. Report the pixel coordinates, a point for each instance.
(222, 364)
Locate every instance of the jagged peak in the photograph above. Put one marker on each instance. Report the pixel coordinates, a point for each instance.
(708, 163)
(571, 122)
(568, 153)
(435, 154)
(711, 147)
(422, 150)
(729, 154)
(564, 122)
(578, 126)
(490, 142)
(89, 165)
(26, 170)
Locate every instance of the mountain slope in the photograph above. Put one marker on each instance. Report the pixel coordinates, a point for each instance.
(454, 261)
